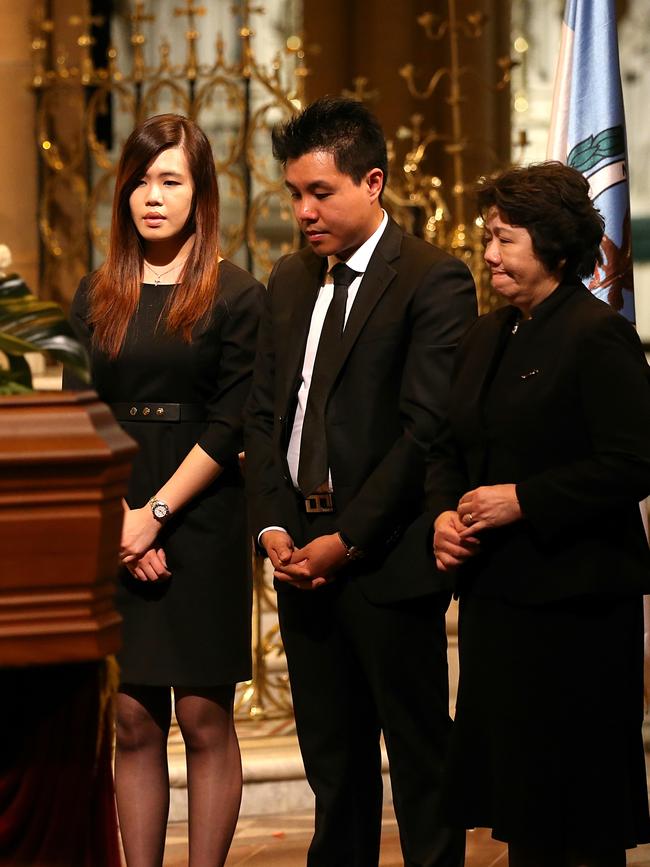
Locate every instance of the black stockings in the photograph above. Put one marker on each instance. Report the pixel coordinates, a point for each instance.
(214, 779)
(141, 776)
(525, 856)
(214, 775)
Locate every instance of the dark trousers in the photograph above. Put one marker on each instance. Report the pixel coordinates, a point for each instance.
(358, 669)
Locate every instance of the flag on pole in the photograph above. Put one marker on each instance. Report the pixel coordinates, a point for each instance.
(588, 132)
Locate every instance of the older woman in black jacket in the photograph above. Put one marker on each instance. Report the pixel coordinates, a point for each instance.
(536, 490)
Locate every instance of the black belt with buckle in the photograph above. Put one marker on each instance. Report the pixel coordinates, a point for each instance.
(320, 503)
(158, 411)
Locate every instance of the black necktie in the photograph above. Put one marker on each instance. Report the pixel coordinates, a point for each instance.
(313, 465)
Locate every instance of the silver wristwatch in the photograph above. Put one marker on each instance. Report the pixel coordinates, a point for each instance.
(160, 509)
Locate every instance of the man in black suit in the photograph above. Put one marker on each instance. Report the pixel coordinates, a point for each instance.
(349, 391)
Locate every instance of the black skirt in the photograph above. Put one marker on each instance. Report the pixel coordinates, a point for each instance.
(547, 743)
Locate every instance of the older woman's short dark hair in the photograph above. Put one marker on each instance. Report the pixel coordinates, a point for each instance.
(552, 202)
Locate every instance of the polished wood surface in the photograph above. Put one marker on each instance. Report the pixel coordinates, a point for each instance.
(64, 466)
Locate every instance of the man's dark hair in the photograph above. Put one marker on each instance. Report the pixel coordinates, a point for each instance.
(342, 127)
(552, 202)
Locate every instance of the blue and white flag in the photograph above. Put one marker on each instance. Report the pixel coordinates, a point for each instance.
(588, 132)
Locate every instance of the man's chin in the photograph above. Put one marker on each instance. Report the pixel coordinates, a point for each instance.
(322, 244)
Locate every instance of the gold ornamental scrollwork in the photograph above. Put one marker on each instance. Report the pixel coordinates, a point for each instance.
(444, 215)
(133, 90)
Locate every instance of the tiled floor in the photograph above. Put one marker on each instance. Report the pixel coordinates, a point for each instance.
(281, 841)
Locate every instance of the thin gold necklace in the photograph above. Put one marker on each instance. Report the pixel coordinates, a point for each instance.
(162, 273)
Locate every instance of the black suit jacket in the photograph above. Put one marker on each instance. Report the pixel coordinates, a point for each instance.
(388, 396)
(575, 432)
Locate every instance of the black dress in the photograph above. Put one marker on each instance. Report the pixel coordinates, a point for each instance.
(546, 746)
(192, 630)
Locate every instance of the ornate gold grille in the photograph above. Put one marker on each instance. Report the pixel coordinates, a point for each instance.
(73, 95)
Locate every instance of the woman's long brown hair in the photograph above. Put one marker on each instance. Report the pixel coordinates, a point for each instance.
(115, 287)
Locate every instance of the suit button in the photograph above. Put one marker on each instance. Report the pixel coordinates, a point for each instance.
(280, 418)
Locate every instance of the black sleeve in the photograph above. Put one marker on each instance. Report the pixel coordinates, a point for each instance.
(262, 474)
(239, 320)
(444, 307)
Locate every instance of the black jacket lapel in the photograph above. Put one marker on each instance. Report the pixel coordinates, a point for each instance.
(376, 280)
(309, 281)
(379, 275)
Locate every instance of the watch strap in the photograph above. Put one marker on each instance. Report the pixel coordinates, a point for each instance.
(351, 550)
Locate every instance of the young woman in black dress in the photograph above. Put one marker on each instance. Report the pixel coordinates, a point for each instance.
(171, 332)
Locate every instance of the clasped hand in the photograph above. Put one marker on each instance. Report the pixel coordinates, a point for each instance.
(152, 566)
(450, 546)
(488, 506)
(306, 568)
(137, 551)
(456, 534)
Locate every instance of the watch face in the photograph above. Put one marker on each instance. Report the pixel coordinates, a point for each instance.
(161, 510)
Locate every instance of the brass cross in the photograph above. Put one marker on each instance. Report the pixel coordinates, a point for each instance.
(245, 10)
(190, 11)
(138, 16)
(85, 41)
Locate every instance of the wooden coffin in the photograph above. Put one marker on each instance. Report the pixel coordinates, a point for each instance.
(64, 467)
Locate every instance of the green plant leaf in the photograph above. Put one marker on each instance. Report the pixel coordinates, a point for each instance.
(13, 286)
(28, 324)
(15, 345)
(9, 385)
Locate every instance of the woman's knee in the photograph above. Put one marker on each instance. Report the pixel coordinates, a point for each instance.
(143, 717)
(205, 719)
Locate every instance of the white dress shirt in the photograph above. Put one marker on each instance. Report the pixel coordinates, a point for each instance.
(358, 261)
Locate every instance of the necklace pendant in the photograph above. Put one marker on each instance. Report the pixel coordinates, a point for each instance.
(156, 282)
